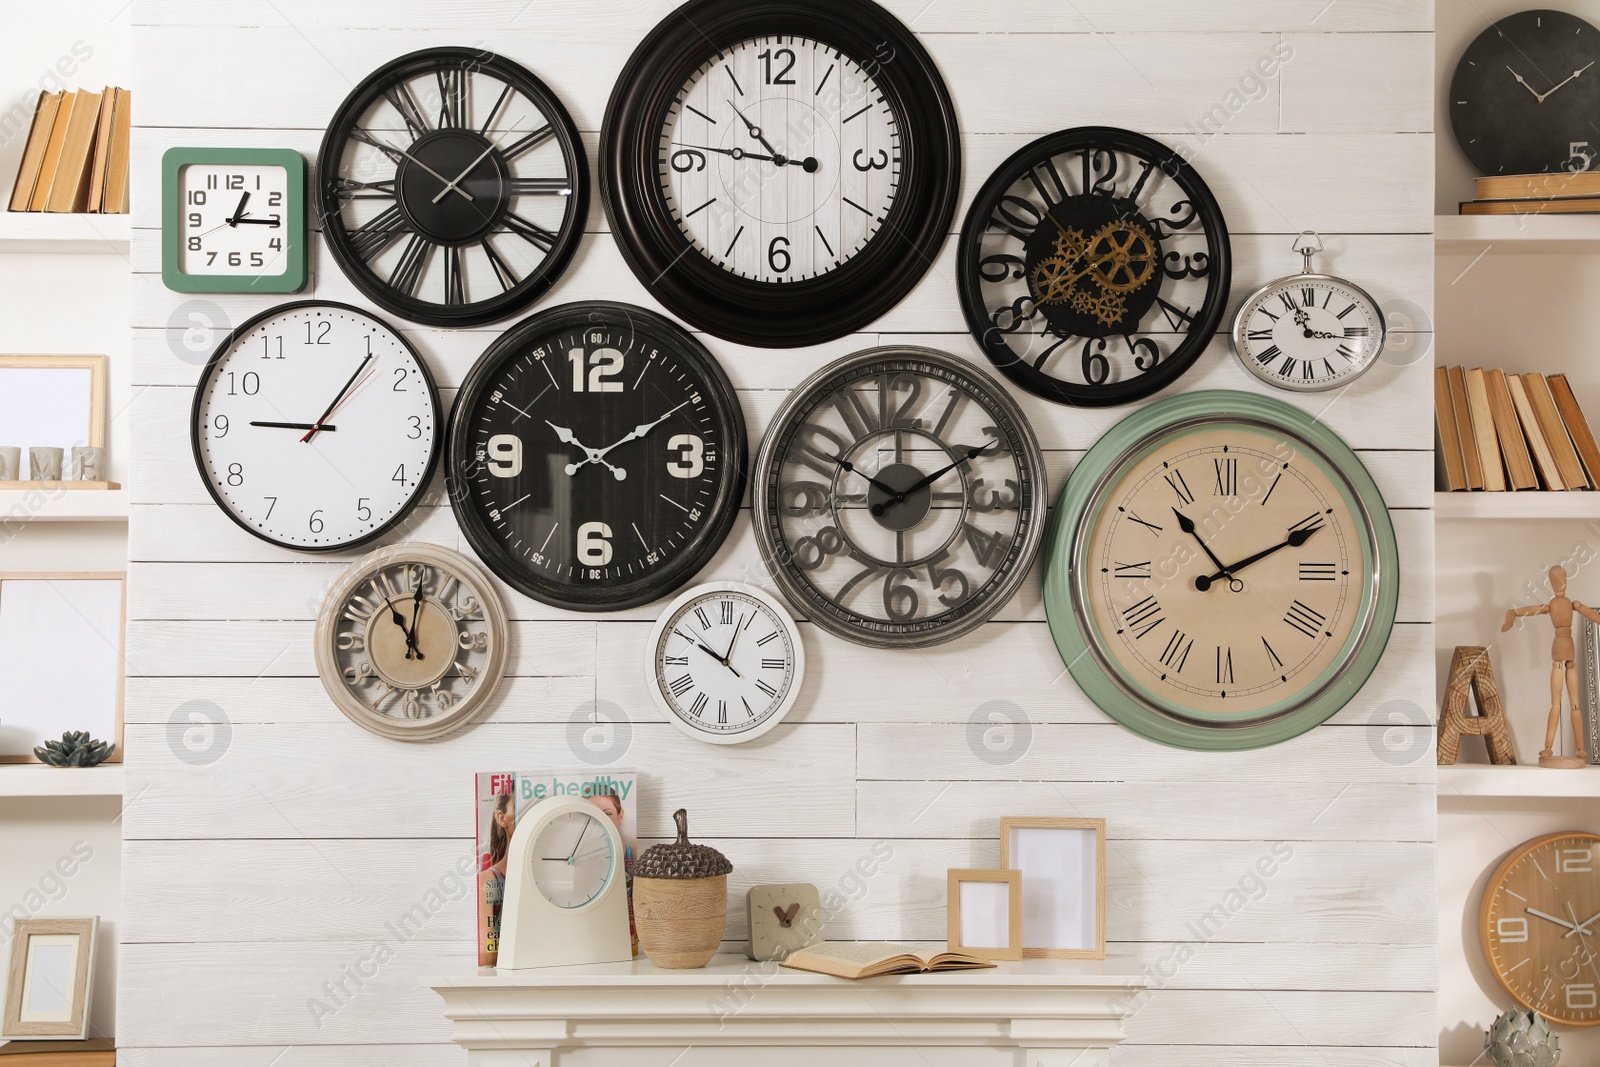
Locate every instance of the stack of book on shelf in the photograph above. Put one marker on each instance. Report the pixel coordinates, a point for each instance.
(95, 1052)
(1559, 193)
(1499, 431)
(76, 158)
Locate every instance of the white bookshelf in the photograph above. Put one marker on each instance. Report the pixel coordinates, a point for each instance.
(36, 780)
(32, 233)
(1516, 234)
(87, 505)
(1579, 505)
(1482, 780)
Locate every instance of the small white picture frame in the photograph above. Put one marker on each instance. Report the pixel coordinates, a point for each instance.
(50, 979)
(984, 913)
(53, 402)
(1063, 867)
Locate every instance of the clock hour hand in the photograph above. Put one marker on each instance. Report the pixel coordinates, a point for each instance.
(274, 222)
(903, 495)
(416, 606)
(591, 455)
(453, 185)
(845, 464)
(1295, 539)
(720, 659)
(1523, 82)
(1186, 524)
(238, 212)
(400, 621)
(1583, 927)
(296, 426)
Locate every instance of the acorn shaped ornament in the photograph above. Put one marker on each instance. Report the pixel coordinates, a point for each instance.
(680, 900)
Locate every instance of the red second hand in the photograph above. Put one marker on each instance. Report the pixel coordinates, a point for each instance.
(353, 391)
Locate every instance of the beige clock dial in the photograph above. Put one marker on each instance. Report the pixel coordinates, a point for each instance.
(1541, 927)
(411, 642)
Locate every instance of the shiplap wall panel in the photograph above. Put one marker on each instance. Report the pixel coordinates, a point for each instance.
(252, 881)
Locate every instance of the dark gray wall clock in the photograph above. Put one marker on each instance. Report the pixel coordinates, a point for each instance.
(452, 187)
(1526, 93)
(781, 173)
(597, 456)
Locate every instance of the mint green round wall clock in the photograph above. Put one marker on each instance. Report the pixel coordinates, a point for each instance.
(1220, 572)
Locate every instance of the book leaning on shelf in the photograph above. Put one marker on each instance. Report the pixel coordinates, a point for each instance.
(1496, 431)
(1589, 688)
(75, 159)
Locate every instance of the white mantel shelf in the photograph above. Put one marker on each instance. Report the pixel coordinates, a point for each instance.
(1059, 1011)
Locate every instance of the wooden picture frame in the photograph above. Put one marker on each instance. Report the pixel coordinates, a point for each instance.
(969, 913)
(59, 659)
(29, 391)
(50, 980)
(1052, 855)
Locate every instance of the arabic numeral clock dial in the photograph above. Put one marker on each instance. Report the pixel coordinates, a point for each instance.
(725, 662)
(1221, 572)
(411, 642)
(315, 426)
(899, 497)
(233, 220)
(453, 187)
(597, 456)
(1094, 266)
(1540, 924)
(780, 175)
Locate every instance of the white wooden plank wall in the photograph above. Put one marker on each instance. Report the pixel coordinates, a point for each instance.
(251, 882)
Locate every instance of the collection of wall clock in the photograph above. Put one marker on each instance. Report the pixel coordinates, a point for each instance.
(779, 175)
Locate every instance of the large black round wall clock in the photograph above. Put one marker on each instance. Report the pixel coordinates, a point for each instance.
(1094, 266)
(1525, 94)
(597, 456)
(452, 187)
(780, 173)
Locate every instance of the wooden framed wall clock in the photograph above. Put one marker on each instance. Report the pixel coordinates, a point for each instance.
(1538, 923)
(452, 187)
(1094, 266)
(783, 173)
(233, 220)
(316, 426)
(899, 497)
(411, 642)
(597, 456)
(1221, 572)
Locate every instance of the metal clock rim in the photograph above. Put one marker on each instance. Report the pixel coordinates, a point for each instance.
(436, 449)
(485, 689)
(724, 510)
(538, 282)
(1030, 458)
(710, 589)
(1080, 652)
(294, 277)
(779, 315)
(1236, 336)
(1207, 321)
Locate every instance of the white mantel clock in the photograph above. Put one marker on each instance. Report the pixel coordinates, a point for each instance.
(566, 900)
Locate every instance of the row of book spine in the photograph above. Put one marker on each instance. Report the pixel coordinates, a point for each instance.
(1556, 193)
(1498, 431)
(76, 156)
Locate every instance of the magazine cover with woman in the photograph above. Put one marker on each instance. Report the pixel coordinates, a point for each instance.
(505, 796)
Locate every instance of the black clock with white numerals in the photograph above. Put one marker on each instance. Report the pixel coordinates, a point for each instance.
(452, 187)
(1094, 266)
(597, 456)
(780, 174)
(1525, 93)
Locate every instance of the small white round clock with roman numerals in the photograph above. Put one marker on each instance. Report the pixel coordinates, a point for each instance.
(725, 662)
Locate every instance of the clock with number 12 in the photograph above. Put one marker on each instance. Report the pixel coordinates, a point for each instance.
(233, 220)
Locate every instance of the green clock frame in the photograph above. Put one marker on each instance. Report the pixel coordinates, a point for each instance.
(293, 279)
(1065, 595)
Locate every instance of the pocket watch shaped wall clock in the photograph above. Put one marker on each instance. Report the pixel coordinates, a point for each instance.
(1094, 266)
(725, 662)
(233, 220)
(315, 426)
(452, 187)
(1308, 332)
(411, 642)
(1537, 923)
(899, 497)
(781, 173)
(597, 456)
(1220, 572)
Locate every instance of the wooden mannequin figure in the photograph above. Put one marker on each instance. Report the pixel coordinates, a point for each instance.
(1563, 665)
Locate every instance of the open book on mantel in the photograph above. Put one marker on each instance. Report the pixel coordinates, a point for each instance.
(871, 959)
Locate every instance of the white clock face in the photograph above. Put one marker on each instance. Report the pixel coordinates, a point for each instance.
(573, 860)
(1309, 333)
(780, 159)
(316, 426)
(233, 219)
(726, 664)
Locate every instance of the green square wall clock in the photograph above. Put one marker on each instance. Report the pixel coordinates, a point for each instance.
(233, 220)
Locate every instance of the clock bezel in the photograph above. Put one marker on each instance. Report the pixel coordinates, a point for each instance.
(294, 276)
(780, 314)
(1066, 578)
(1240, 341)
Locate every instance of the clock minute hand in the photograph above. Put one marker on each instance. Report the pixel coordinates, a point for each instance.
(1545, 96)
(1295, 539)
(905, 494)
(642, 429)
(755, 131)
(391, 151)
(591, 455)
(335, 402)
(1583, 927)
(1572, 927)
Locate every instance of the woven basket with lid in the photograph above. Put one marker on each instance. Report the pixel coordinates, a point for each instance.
(680, 900)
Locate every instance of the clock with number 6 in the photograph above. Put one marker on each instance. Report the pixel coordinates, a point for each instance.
(1538, 923)
(411, 642)
(899, 497)
(1221, 572)
(597, 456)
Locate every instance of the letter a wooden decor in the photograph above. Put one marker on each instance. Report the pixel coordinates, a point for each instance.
(1470, 669)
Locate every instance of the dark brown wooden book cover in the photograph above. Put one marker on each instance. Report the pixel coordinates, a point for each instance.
(1577, 426)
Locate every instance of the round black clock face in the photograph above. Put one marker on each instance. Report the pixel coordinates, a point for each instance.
(596, 456)
(1094, 266)
(899, 497)
(1525, 94)
(452, 187)
(780, 174)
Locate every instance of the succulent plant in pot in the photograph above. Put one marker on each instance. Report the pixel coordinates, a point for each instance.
(75, 749)
(1522, 1039)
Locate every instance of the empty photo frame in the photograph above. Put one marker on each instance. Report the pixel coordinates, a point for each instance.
(985, 913)
(61, 647)
(52, 402)
(48, 983)
(1063, 867)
